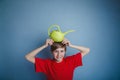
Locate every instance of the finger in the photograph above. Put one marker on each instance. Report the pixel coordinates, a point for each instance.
(50, 43)
(51, 40)
(63, 42)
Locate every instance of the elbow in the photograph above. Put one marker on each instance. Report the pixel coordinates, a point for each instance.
(30, 59)
(27, 57)
(88, 50)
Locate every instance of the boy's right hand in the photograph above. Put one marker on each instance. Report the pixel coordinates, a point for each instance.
(49, 42)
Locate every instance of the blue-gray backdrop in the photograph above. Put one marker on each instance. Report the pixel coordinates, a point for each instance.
(24, 25)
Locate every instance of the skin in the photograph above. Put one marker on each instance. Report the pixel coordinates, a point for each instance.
(59, 53)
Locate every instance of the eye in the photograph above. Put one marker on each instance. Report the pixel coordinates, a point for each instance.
(55, 51)
(62, 50)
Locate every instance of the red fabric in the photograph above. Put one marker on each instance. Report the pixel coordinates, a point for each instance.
(59, 71)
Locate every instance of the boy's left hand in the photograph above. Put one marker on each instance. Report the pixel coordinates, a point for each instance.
(66, 42)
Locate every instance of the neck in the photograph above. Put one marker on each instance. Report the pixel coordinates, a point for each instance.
(58, 61)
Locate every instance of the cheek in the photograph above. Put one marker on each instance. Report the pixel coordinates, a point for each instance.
(54, 54)
(63, 53)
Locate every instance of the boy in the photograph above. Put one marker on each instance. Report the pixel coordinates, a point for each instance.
(60, 67)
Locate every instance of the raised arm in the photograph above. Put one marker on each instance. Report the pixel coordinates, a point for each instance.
(31, 56)
(83, 50)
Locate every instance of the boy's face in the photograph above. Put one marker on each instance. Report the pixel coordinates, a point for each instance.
(59, 54)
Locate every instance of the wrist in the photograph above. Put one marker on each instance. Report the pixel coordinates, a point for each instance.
(44, 46)
(70, 45)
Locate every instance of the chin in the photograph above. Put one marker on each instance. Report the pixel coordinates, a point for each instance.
(59, 60)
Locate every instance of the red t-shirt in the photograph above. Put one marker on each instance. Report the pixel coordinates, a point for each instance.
(59, 71)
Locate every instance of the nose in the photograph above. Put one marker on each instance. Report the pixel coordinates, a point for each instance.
(58, 54)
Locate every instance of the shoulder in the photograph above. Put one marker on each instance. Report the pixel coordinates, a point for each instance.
(75, 60)
(42, 60)
(73, 56)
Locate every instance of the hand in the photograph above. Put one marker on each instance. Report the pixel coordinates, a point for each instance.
(49, 42)
(66, 42)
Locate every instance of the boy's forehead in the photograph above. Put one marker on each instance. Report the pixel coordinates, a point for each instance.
(60, 49)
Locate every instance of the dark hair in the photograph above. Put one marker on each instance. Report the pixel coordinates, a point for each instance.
(57, 45)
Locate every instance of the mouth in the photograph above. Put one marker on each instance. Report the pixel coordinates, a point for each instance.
(58, 58)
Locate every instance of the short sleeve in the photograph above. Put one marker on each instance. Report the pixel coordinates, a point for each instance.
(75, 60)
(40, 65)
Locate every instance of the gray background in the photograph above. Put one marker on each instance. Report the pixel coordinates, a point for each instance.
(24, 25)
